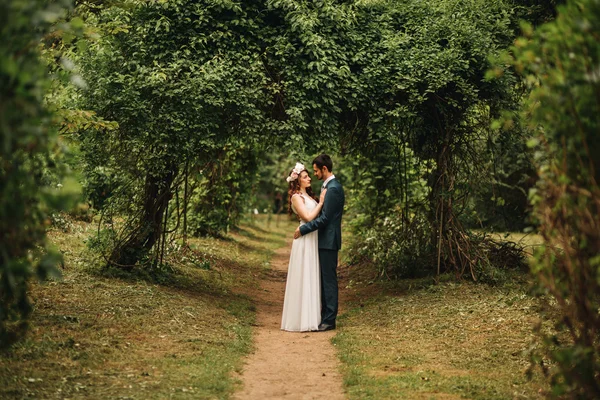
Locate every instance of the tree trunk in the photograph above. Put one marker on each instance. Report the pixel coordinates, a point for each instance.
(455, 250)
(148, 230)
(441, 200)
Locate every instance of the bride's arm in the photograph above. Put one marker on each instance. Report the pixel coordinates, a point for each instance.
(315, 212)
(301, 210)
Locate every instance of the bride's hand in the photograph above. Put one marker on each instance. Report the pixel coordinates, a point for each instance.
(322, 196)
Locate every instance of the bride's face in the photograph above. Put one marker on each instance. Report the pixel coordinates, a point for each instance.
(304, 180)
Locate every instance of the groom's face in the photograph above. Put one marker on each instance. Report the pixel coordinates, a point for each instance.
(318, 172)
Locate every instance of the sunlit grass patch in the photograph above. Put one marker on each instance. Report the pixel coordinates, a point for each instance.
(454, 340)
(100, 334)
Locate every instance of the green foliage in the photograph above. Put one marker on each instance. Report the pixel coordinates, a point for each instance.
(386, 83)
(181, 90)
(386, 178)
(27, 141)
(271, 192)
(308, 58)
(398, 248)
(500, 199)
(418, 92)
(227, 182)
(193, 106)
(420, 67)
(536, 12)
(560, 62)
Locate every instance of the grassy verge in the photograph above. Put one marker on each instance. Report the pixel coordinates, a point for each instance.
(416, 340)
(99, 334)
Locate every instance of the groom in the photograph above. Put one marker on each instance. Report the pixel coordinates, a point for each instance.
(329, 224)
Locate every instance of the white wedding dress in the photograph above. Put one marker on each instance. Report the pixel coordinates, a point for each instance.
(302, 302)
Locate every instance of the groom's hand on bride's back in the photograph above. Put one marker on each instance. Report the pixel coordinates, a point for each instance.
(297, 233)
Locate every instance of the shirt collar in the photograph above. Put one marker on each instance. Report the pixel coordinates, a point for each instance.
(327, 180)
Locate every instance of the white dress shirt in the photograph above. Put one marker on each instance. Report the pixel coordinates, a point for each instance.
(327, 181)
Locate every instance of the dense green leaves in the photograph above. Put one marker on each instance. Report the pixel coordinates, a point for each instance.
(418, 81)
(26, 141)
(385, 82)
(183, 80)
(560, 61)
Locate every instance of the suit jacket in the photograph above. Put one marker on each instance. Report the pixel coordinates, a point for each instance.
(329, 221)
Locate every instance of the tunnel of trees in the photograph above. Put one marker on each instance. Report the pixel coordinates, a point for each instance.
(446, 119)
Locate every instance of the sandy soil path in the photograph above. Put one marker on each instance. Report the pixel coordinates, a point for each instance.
(287, 365)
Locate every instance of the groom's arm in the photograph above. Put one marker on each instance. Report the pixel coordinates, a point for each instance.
(333, 199)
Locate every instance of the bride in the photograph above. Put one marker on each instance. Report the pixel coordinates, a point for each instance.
(302, 302)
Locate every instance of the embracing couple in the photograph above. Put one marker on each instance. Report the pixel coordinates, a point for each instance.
(311, 292)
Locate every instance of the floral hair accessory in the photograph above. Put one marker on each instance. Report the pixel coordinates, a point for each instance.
(295, 172)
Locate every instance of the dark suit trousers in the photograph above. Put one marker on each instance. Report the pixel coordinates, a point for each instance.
(328, 260)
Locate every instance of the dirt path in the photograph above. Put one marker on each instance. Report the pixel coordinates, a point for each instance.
(287, 365)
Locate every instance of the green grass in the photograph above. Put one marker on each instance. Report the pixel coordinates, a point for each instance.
(104, 334)
(416, 340)
(453, 340)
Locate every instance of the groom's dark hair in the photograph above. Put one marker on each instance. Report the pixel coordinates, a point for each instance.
(323, 160)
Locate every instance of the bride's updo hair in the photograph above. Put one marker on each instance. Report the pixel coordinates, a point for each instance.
(294, 187)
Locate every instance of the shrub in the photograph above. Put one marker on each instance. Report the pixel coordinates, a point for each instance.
(398, 249)
(561, 61)
(26, 136)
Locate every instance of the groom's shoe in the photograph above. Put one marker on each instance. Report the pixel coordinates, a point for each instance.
(326, 327)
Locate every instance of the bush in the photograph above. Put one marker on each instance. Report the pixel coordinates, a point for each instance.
(398, 249)
(26, 135)
(561, 61)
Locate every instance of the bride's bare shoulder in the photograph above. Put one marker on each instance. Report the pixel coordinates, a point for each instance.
(297, 196)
